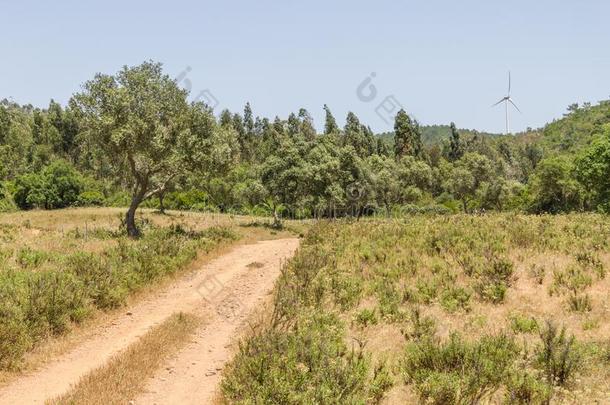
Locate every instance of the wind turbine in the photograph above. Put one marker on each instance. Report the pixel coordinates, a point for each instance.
(507, 99)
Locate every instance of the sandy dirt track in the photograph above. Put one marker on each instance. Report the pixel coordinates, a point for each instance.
(225, 291)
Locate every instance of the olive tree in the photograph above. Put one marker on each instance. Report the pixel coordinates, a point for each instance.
(142, 127)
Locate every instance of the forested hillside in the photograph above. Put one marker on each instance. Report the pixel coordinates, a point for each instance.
(434, 134)
(133, 138)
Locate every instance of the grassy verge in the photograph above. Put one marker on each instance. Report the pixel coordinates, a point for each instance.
(448, 310)
(125, 375)
(44, 291)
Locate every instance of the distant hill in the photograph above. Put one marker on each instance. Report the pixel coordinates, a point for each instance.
(435, 134)
(575, 130)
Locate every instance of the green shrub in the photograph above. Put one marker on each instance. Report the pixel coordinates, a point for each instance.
(427, 289)
(119, 199)
(590, 260)
(590, 324)
(495, 280)
(58, 186)
(301, 283)
(573, 279)
(366, 317)
(458, 371)
(7, 202)
(30, 259)
(91, 198)
(381, 382)
(456, 298)
(523, 388)
(557, 355)
(493, 292)
(15, 339)
(580, 303)
(103, 283)
(390, 300)
(308, 364)
(346, 289)
(422, 327)
(186, 200)
(523, 324)
(54, 299)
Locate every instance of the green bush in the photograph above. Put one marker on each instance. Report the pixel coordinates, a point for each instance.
(557, 355)
(422, 327)
(55, 298)
(185, 200)
(15, 339)
(104, 283)
(119, 199)
(495, 280)
(57, 186)
(523, 324)
(456, 298)
(573, 279)
(366, 317)
(307, 364)
(29, 258)
(458, 372)
(7, 203)
(523, 388)
(91, 198)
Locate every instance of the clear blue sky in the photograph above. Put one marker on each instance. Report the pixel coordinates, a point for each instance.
(442, 60)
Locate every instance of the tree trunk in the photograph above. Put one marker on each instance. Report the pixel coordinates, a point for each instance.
(161, 206)
(130, 217)
(277, 222)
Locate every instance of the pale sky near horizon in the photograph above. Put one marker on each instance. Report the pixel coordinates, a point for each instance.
(442, 60)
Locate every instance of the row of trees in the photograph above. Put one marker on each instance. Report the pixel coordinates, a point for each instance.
(135, 133)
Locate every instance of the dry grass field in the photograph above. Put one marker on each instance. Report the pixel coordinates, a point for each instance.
(461, 309)
(500, 308)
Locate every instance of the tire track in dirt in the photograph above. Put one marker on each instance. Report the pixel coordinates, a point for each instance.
(193, 375)
(225, 290)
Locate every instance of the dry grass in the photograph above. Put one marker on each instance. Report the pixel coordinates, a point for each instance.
(125, 375)
(73, 229)
(375, 273)
(55, 234)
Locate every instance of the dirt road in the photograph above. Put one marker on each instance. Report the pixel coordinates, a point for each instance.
(225, 290)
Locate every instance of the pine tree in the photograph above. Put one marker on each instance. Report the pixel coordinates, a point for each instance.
(359, 136)
(330, 124)
(306, 127)
(455, 146)
(238, 125)
(226, 119)
(294, 125)
(278, 125)
(407, 136)
(248, 120)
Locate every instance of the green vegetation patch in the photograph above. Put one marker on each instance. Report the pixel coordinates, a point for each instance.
(37, 304)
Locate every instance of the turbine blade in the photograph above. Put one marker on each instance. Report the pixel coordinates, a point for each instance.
(509, 82)
(515, 105)
(493, 105)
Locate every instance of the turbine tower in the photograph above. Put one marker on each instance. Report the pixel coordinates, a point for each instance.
(507, 99)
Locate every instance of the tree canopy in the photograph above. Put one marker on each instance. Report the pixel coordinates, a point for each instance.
(133, 135)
